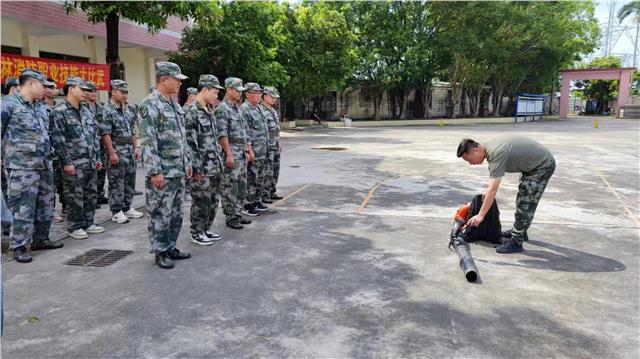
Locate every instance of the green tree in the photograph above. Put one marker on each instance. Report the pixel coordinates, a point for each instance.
(153, 14)
(243, 44)
(318, 51)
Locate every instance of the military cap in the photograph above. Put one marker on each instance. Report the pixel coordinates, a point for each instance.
(11, 81)
(89, 85)
(234, 82)
(271, 91)
(36, 75)
(76, 81)
(252, 86)
(210, 81)
(165, 68)
(119, 85)
(192, 91)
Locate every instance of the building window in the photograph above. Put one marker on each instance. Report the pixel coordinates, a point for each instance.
(11, 50)
(365, 97)
(62, 57)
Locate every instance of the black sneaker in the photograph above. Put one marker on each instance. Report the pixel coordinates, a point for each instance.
(44, 245)
(137, 193)
(250, 211)
(200, 239)
(103, 200)
(244, 220)
(509, 246)
(260, 207)
(212, 236)
(21, 255)
(275, 197)
(234, 223)
(267, 200)
(174, 253)
(163, 260)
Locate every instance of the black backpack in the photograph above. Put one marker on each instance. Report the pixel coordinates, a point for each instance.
(490, 229)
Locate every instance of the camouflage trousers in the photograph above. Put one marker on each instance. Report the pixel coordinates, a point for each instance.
(269, 174)
(3, 180)
(256, 175)
(234, 187)
(80, 198)
(205, 196)
(165, 213)
(57, 183)
(530, 190)
(30, 200)
(102, 173)
(122, 180)
(274, 167)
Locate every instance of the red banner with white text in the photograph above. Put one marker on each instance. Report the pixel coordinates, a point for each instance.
(12, 65)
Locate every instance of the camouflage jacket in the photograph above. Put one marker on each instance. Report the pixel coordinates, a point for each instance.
(118, 123)
(26, 142)
(162, 136)
(273, 125)
(97, 111)
(202, 137)
(256, 129)
(230, 124)
(75, 135)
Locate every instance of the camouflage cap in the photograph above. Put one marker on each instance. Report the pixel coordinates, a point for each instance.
(36, 75)
(234, 82)
(271, 91)
(210, 81)
(192, 91)
(76, 81)
(89, 85)
(252, 86)
(119, 85)
(165, 68)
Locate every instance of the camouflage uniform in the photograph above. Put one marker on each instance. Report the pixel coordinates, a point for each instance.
(118, 123)
(258, 137)
(202, 138)
(77, 142)
(97, 110)
(165, 151)
(28, 159)
(230, 124)
(8, 102)
(530, 190)
(273, 166)
(57, 168)
(190, 91)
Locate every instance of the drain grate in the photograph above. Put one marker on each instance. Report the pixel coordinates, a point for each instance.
(329, 148)
(98, 258)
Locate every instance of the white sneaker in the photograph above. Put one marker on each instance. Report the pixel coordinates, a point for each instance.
(79, 234)
(93, 229)
(119, 218)
(132, 213)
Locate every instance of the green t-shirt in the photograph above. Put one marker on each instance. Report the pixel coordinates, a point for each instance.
(516, 154)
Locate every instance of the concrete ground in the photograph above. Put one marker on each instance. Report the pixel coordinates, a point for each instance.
(326, 274)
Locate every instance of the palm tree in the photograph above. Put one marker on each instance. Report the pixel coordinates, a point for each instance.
(628, 9)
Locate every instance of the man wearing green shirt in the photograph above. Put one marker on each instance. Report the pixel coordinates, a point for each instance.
(512, 154)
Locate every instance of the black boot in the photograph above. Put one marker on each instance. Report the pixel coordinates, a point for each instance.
(267, 200)
(163, 260)
(275, 197)
(44, 245)
(243, 220)
(174, 253)
(21, 255)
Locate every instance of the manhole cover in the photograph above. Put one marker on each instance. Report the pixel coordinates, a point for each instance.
(98, 258)
(329, 148)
